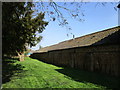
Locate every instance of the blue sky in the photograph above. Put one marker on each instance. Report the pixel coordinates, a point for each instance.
(96, 18)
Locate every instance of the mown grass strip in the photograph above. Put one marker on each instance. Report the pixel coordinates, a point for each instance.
(32, 73)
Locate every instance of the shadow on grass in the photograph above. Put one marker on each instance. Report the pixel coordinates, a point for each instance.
(107, 81)
(91, 77)
(9, 68)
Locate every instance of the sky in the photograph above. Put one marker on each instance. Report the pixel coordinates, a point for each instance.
(96, 18)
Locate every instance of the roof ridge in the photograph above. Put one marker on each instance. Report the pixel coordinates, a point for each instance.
(91, 34)
(85, 40)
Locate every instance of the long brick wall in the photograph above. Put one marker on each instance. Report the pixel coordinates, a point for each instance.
(100, 58)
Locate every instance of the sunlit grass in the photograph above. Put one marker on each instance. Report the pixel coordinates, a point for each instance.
(32, 73)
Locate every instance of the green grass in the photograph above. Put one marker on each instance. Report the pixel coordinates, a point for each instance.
(32, 73)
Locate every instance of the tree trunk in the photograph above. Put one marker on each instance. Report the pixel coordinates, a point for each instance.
(21, 56)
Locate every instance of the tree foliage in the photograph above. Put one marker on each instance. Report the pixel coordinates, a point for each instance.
(19, 27)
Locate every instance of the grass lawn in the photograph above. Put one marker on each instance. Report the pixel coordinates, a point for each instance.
(32, 73)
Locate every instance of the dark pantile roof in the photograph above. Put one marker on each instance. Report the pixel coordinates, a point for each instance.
(109, 36)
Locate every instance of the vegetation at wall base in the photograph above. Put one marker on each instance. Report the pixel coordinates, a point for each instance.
(32, 73)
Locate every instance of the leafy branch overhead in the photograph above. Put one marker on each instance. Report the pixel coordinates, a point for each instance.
(54, 11)
(75, 10)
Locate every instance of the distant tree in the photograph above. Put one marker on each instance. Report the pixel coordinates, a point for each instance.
(40, 47)
(19, 27)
